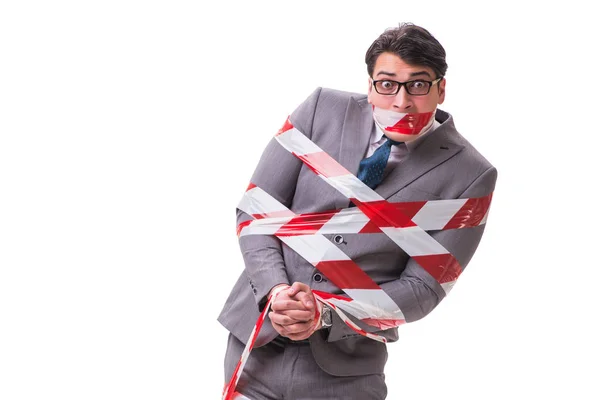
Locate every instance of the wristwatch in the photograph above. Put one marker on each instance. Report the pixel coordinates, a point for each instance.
(325, 317)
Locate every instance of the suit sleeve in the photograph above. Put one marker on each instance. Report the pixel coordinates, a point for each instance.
(416, 292)
(277, 174)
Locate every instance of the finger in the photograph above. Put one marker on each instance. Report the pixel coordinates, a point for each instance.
(297, 327)
(279, 329)
(287, 321)
(307, 299)
(282, 320)
(298, 315)
(297, 287)
(282, 305)
(290, 317)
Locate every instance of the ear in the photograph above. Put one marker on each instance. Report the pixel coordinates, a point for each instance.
(442, 90)
(369, 90)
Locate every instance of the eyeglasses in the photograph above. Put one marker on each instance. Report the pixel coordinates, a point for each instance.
(415, 88)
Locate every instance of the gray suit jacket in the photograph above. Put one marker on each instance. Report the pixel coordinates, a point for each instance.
(443, 166)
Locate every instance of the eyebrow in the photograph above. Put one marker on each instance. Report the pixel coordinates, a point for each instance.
(411, 75)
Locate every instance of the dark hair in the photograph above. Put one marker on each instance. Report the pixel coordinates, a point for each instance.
(413, 44)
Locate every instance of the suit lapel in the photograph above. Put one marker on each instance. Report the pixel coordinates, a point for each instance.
(356, 132)
(436, 148)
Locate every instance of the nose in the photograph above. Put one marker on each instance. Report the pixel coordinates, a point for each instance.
(402, 100)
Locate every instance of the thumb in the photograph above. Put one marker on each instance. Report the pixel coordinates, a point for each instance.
(298, 287)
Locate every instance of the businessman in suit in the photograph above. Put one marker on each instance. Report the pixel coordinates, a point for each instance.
(304, 354)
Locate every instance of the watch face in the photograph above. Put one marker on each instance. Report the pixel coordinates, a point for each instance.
(326, 317)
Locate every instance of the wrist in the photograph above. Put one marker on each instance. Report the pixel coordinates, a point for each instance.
(276, 289)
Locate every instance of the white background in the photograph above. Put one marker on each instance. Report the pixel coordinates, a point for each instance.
(129, 131)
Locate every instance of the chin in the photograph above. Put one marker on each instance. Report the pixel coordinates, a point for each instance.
(400, 137)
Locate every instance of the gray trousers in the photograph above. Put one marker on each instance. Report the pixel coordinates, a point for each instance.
(291, 373)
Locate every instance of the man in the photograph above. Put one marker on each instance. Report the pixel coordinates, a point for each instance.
(305, 351)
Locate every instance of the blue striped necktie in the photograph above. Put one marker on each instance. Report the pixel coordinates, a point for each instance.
(370, 169)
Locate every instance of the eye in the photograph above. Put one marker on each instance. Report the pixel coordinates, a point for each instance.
(418, 87)
(386, 87)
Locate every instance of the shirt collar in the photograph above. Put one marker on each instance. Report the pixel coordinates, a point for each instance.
(413, 144)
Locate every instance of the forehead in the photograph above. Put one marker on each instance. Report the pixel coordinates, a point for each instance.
(391, 66)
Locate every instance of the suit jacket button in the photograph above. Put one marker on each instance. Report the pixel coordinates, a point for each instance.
(339, 239)
(317, 277)
(254, 290)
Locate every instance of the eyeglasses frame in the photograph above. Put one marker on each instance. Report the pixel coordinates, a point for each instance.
(400, 84)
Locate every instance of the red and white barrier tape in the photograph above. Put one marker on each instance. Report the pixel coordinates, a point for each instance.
(229, 392)
(429, 215)
(403, 223)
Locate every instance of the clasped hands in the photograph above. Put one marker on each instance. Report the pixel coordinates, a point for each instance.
(295, 313)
